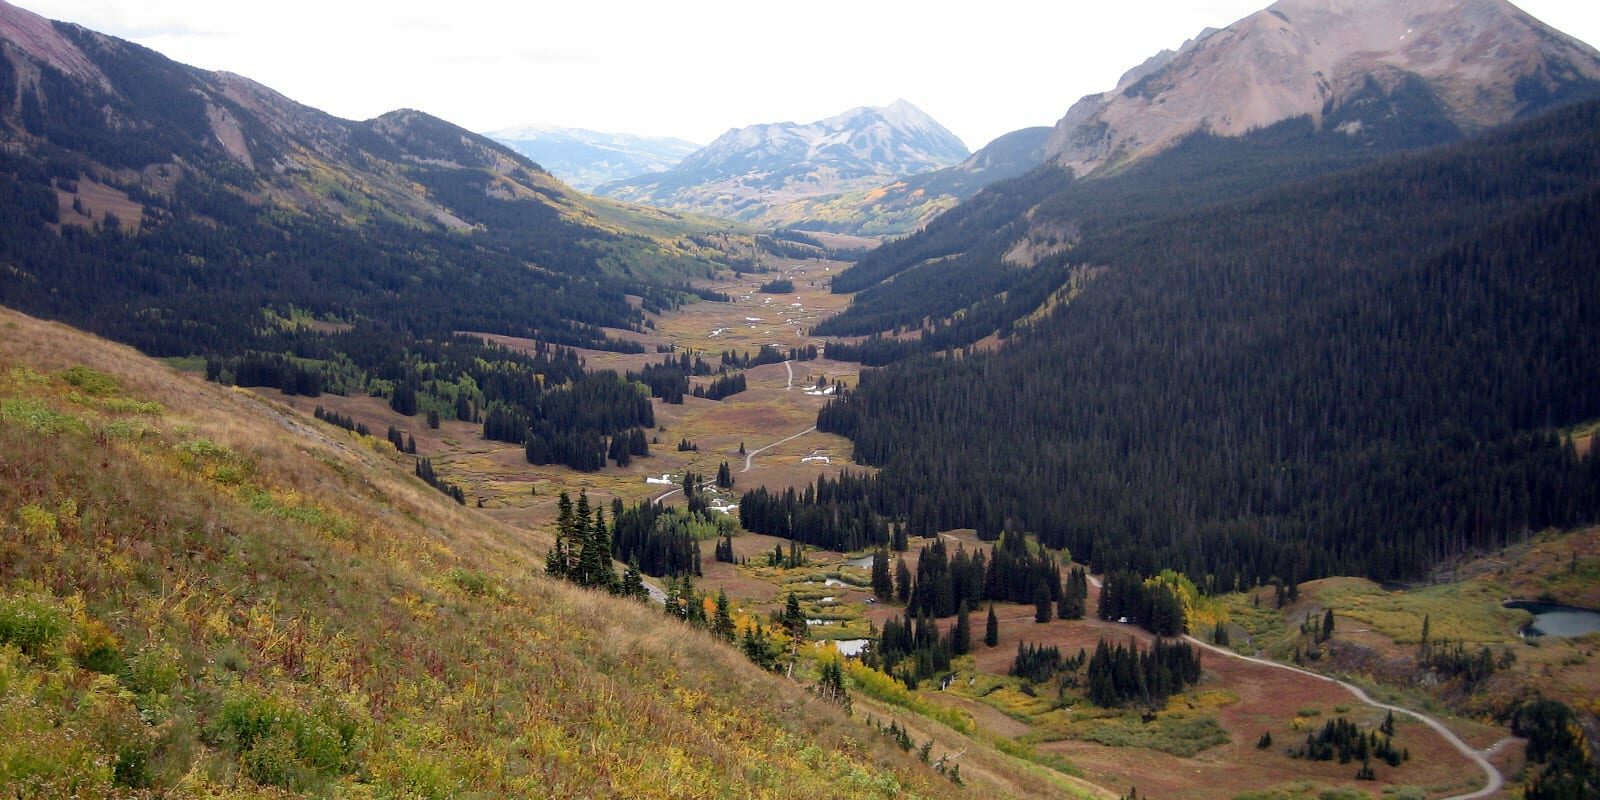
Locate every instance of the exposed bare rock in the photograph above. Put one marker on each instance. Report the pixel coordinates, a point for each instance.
(39, 39)
(1484, 61)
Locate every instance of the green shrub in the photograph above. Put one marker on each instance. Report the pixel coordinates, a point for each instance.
(280, 744)
(35, 625)
(472, 582)
(154, 670)
(91, 381)
(97, 650)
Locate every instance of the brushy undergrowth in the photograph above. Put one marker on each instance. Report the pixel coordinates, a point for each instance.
(194, 602)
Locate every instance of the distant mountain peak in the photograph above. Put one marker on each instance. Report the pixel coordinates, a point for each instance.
(748, 171)
(1483, 62)
(586, 158)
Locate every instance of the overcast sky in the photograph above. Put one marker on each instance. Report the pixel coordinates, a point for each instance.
(692, 68)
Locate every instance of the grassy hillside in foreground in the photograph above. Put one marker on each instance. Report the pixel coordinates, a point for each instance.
(201, 595)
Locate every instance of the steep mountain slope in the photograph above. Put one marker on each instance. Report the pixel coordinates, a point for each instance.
(205, 594)
(748, 171)
(236, 198)
(1483, 62)
(194, 214)
(1358, 374)
(584, 159)
(907, 204)
(1153, 147)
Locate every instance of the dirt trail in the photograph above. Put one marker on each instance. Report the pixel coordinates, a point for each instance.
(749, 458)
(790, 385)
(1495, 781)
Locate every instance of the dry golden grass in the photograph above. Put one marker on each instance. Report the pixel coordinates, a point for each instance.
(277, 603)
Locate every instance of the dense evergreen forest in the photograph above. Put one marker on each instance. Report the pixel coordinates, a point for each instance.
(1359, 374)
(959, 262)
(353, 272)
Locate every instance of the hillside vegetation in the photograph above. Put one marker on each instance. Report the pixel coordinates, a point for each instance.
(204, 595)
(1359, 375)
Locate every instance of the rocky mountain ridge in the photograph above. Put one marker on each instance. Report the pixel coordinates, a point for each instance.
(748, 171)
(1483, 62)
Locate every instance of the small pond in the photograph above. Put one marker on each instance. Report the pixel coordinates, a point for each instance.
(1551, 619)
(850, 648)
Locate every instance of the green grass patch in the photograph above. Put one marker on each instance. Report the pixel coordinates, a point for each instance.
(307, 513)
(1304, 790)
(1468, 612)
(1179, 733)
(32, 415)
(195, 364)
(91, 381)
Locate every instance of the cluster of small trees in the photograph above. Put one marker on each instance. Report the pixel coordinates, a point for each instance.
(424, 470)
(1039, 663)
(1154, 604)
(267, 369)
(1342, 739)
(669, 380)
(582, 551)
(1118, 675)
(1557, 743)
(835, 514)
(342, 420)
(569, 424)
(795, 558)
(725, 386)
(626, 446)
(766, 355)
(912, 649)
(1452, 661)
(662, 540)
(402, 443)
(1015, 574)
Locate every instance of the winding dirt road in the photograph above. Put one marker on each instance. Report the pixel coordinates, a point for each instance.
(1495, 781)
(749, 458)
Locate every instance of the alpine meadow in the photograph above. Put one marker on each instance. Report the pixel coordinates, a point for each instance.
(1225, 433)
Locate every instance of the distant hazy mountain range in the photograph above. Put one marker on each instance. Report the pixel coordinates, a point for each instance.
(585, 159)
(749, 171)
(905, 205)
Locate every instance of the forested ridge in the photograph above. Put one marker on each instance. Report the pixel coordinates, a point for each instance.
(321, 255)
(1358, 374)
(958, 264)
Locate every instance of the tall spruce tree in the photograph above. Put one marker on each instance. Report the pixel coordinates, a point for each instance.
(961, 633)
(557, 561)
(991, 630)
(722, 623)
(633, 582)
(1041, 602)
(882, 583)
(794, 620)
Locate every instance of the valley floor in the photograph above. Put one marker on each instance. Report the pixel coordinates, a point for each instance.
(1202, 745)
